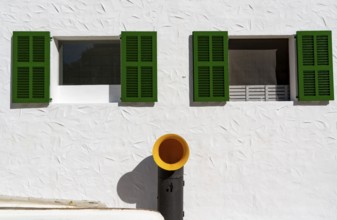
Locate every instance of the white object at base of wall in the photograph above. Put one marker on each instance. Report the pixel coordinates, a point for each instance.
(79, 214)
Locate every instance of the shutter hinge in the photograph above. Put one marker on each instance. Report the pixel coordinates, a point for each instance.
(51, 38)
(51, 99)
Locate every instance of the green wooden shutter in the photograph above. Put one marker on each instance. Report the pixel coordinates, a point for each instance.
(139, 67)
(210, 66)
(31, 66)
(315, 72)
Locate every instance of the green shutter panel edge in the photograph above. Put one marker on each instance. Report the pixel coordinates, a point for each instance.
(210, 66)
(31, 67)
(314, 66)
(139, 66)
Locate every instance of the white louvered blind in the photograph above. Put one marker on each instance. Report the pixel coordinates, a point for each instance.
(259, 93)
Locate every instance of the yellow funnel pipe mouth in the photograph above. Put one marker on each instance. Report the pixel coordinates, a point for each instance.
(170, 152)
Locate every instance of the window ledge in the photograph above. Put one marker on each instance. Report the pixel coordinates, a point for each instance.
(87, 94)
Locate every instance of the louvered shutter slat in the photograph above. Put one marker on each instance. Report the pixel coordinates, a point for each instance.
(210, 67)
(203, 48)
(23, 48)
(323, 83)
(322, 52)
(38, 48)
(132, 82)
(315, 71)
(131, 48)
(204, 82)
(139, 67)
(38, 82)
(22, 81)
(31, 65)
(146, 48)
(218, 48)
(146, 82)
(218, 81)
(309, 85)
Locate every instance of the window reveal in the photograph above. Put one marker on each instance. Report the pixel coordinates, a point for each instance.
(90, 62)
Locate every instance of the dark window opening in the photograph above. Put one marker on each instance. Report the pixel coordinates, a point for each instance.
(90, 62)
(258, 62)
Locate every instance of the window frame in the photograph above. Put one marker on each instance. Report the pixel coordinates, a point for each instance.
(292, 55)
(77, 94)
(61, 53)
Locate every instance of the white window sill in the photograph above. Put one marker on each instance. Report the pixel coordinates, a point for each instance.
(79, 214)
(86, 94)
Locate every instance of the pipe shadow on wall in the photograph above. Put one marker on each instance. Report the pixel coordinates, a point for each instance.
(140, 185)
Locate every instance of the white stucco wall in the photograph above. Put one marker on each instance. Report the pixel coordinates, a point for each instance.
(249, 160)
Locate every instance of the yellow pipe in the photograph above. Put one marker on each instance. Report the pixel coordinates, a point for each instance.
(170, 152)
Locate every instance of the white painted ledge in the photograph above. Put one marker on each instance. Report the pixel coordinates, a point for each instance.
(29, 202)
(26, 208)
(19, 208)
(78, 214)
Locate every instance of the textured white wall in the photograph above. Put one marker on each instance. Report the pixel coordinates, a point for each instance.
(249, 160)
